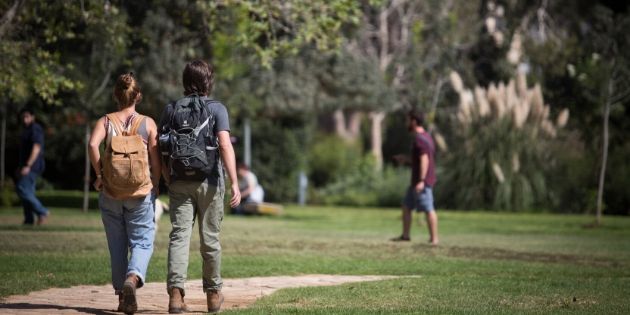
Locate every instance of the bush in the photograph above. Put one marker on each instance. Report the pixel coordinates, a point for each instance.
(504, 153)
(277, 157)
(67, 199)
(365, 187)
(51, 198)
(331, 158)
(9, 197)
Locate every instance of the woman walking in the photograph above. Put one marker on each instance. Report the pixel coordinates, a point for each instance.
(127, 177)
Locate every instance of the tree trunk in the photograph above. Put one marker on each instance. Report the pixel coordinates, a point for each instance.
(602, 173)
(377, 138)
(435, 101)
(340, 124)
(86, 180)
(8, 16)
(348, 130)
(354, 125)
(3, 141)
(247, 143)
(88, 115)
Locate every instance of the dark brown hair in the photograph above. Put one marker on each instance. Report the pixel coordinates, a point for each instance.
(127, 91)
(417, 116)
(198, 78)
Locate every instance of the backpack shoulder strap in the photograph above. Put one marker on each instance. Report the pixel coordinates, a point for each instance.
(137, 121)
(208, 103)
(113, 120)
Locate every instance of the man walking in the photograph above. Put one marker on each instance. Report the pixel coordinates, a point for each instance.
(31, 165)
(420, 193)
(195, 136)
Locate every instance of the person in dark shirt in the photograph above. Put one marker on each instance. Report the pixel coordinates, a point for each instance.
(31, 165)
(420, 192)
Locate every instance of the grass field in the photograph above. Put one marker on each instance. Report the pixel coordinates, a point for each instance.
(486, 263)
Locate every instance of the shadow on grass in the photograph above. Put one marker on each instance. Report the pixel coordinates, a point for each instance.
(49, 308)
(504, 254)
(284, 217)
(48, 228)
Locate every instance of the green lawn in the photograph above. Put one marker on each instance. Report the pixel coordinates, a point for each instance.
(487, 262)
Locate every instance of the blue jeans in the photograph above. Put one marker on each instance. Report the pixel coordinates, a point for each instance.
(422, 201)
(130, 227)
(25, 188)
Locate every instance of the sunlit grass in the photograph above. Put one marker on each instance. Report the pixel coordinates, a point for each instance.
(487, 262)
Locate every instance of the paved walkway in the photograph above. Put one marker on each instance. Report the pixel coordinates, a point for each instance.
(153, 299)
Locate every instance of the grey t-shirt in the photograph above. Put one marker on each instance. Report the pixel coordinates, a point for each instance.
(218, 110)
(221, 123)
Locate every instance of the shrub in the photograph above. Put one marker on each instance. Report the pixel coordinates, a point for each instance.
(503, 155)
(365, 187)
(331, 158)
(9, 198)
(67, 199)
(278, 156)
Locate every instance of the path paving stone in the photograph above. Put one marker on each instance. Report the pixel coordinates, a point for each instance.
(153, 299)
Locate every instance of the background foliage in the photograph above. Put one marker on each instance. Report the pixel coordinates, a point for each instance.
(306, 78)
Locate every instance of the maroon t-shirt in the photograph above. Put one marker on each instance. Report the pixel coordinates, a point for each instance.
(423, 144)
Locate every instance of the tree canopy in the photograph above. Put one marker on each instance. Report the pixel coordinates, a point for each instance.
(308, 73)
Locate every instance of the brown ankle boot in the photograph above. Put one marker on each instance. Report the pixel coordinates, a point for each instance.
(214, 299)
(129, 303)
(120, 302)
(176, 303)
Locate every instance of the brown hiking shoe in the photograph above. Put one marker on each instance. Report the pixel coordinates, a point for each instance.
(176, 303)
(215, 299)
(129, 303)
(120, 302)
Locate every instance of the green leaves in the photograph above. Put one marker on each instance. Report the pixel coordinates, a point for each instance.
(26, 70)
(274, 28)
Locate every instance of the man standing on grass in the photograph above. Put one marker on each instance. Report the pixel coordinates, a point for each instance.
(30, 167)
(420, 193)
(195, 138)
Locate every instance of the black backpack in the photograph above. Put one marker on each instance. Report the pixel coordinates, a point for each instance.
(187, 138)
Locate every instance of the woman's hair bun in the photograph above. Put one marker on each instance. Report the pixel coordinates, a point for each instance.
(127, 80)
(126, 91)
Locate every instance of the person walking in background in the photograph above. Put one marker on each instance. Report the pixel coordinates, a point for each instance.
(127, 177)
(251, 191)
(31, 165)
(195, 138)
(420, 193)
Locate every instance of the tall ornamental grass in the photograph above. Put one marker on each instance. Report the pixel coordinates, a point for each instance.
(500, 155)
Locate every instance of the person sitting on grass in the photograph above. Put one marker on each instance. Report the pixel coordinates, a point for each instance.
(127, 192)
(251, 191)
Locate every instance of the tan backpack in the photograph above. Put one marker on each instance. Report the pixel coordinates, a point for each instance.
(126, 162)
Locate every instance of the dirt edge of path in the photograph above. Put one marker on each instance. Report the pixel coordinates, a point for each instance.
(153, 299)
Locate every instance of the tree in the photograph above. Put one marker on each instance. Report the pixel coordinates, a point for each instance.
(104, 37)
(274, 28)
(384, 39)
(29, 66)
(612, 41)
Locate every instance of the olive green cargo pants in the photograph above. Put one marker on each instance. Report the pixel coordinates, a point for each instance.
(190, 200)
